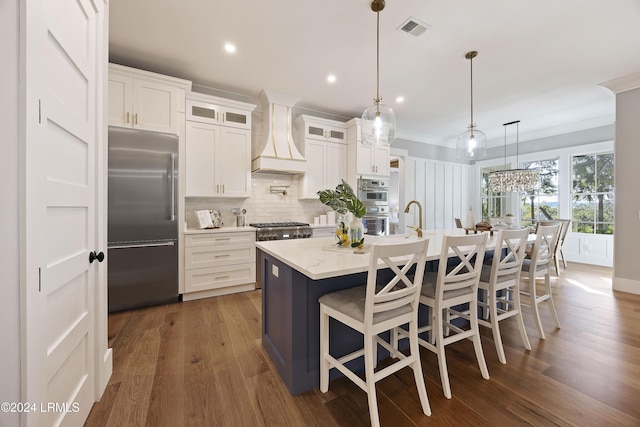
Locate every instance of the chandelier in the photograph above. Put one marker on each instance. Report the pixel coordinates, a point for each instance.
(472, 144)
(512, 179)
(379, 120)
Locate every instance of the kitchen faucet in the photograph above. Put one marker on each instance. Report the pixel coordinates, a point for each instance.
(419, 227)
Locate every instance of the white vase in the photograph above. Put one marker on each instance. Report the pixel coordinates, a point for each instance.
(471, 222)
(356, 230)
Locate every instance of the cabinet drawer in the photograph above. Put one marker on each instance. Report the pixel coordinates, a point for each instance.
(219, 277)
(215, 256)
(192, 240)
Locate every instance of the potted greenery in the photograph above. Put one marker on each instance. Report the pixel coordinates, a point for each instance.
(344, 201)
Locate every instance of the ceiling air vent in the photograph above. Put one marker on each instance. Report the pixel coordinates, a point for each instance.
(414, 27)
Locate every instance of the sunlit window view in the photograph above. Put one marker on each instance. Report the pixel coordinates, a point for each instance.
(540, 204)
(592, 193)
(493, 204)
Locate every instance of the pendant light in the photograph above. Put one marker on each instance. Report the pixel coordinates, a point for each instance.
(378, 121)
(473, 143)
(512, 179)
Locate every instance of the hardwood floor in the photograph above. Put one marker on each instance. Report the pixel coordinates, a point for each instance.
(201, 363)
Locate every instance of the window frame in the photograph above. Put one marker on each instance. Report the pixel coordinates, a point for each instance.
(590, 197)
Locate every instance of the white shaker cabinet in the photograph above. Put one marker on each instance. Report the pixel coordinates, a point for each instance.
(322, 142)
(364, 160)
(372, 160)
(218, 149)
(144, 100)
(218, 263)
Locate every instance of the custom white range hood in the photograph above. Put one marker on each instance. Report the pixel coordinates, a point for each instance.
(276, 152)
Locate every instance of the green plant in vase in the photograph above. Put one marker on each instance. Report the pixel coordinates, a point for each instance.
(343, 200)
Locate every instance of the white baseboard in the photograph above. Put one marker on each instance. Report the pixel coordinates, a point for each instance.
(190, 296)
(626, 285)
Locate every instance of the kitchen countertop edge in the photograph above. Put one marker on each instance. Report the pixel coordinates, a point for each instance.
(220, 230)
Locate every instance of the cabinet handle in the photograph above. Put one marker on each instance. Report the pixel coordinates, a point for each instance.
(128, 117)
(222, 256)
(217, 188)
(222, 188)
(223, 238)
(222, 277)
(136, 118)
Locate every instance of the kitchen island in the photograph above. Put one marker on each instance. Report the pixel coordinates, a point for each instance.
(295, 274)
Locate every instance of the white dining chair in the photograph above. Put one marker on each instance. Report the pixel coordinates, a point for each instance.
(454, 284)
(559, 253)
(564, 225)
(376, 308)
(500, 282)
(539, 265)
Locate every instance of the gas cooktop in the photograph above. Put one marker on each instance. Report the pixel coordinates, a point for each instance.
(282, 230)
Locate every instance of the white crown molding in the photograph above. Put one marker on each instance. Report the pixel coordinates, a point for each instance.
(623, 84)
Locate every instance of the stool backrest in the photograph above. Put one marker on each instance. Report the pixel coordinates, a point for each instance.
(460, 264)
(403, 289)
(509, 253)
(544, 246)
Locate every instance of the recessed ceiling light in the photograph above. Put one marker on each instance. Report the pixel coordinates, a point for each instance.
(230, 47)
(400, 99)
(331, 78)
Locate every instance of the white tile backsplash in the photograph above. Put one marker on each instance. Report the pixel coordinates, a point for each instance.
(262, 206)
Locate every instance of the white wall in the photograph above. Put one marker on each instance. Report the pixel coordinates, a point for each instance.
(9, 214)
(443, 189)
(627, 174)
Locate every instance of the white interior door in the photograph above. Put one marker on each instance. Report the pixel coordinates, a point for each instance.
(60, 210)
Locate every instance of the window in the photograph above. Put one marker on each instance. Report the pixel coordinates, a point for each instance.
(541, 204)
(592, 193)
(493, 204)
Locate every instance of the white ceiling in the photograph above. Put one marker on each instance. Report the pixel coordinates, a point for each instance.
(540, 62)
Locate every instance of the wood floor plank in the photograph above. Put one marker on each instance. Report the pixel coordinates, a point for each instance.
(201, 363)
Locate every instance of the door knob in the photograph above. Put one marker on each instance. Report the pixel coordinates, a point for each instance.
(96, 256)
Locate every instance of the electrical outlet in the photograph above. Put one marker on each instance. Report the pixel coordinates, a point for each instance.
(275, 270)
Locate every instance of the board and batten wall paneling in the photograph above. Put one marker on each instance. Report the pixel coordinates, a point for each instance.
(409, 191)
(441, 187)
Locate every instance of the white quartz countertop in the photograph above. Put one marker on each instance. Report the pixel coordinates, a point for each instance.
(222, 229)
(321, 258)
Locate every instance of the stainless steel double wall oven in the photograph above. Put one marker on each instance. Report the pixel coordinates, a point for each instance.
(374, 193)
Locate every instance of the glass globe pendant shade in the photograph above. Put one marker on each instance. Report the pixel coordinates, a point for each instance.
(378, 125)
(472, 144)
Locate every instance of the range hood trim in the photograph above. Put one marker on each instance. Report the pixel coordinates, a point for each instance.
(279, 153)
(270, 164)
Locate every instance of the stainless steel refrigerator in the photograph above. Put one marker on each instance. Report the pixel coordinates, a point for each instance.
(142, 222)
